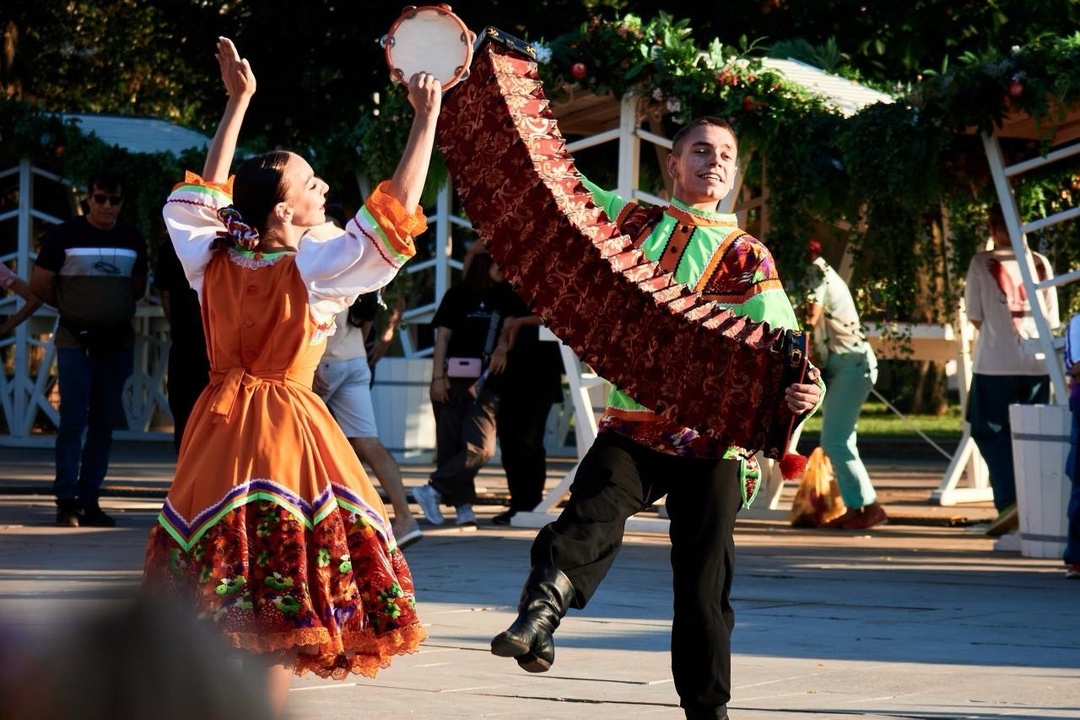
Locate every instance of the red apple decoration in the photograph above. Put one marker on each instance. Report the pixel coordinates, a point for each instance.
(578, 70)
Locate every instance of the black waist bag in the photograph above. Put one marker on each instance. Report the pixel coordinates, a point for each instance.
(100, 340)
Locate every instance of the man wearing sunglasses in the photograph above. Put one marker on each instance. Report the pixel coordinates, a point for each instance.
(92, 269)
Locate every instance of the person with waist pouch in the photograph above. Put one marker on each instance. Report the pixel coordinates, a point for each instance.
(92, 269)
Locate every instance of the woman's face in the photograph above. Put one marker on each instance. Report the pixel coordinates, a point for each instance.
(495, 272)
(305, 194)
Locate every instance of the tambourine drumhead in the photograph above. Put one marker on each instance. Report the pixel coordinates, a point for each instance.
(429, 39)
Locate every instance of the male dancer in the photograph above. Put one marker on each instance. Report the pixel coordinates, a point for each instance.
(639, 456)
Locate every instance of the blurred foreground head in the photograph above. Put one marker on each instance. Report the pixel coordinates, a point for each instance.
(147, 659)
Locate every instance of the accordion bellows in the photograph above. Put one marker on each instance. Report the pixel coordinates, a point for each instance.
(672, 350)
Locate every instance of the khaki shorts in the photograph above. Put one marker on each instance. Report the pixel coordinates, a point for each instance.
(348, 396)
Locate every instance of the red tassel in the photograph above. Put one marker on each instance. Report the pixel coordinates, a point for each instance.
(792, 466)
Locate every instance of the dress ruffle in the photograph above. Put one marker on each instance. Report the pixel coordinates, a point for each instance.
(330, 593)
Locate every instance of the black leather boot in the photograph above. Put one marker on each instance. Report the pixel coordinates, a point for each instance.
(67, 513)
(544, 601)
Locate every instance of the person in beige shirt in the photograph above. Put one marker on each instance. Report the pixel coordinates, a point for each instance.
(1004, 373)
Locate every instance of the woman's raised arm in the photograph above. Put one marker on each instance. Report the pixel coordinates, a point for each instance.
(425, 95)
(239, 83)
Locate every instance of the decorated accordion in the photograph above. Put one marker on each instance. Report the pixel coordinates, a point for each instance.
(669, 348)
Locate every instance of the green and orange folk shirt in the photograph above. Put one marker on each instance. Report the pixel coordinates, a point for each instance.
(709, 253)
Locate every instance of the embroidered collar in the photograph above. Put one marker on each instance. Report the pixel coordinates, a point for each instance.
(701, 218)
(253, 260)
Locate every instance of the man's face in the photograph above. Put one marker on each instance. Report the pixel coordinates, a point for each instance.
(104, 207)
(704, 170)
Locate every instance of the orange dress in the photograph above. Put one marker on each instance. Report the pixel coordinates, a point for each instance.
(271, 527)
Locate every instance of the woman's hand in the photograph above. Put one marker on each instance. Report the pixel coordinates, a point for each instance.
(235, 71)
(439, 391)
(497, 361)
(425, 94)
(240, 86)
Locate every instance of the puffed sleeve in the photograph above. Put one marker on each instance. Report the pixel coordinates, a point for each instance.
(191, 218)
(338, 267)
(610, 202)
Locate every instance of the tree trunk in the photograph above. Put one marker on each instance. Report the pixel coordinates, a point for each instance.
(930, 395)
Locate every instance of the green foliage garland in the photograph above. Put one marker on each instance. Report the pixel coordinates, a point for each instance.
(897, 169)
(891, 169)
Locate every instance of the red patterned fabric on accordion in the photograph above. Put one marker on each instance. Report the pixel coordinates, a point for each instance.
(672, 350)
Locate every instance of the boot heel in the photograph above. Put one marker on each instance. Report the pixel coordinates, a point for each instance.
(531, 663)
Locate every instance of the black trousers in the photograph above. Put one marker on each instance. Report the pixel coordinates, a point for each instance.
(988, 413)
(521, 421)
(618, 478)
(464, 441)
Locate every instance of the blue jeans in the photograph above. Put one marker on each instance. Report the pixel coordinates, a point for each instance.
(1072, 539)
(848, 380)
(90, 400)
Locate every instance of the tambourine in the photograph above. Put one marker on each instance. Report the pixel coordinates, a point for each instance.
(430, 39)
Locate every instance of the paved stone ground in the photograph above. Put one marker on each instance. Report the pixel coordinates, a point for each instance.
(920, 618)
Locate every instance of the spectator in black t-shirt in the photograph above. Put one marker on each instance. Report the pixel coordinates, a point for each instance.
(462, 395)
(189, 366)
(530, 382)
(92, 269)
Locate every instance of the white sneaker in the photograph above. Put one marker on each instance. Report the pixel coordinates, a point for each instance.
(466, 518)
(409, 536)
(428, 498)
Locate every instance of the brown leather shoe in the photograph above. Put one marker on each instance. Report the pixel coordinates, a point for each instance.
(1008, 521)
(867, 517)
(837, 523)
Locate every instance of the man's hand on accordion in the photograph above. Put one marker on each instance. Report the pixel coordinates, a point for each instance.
(804, 397)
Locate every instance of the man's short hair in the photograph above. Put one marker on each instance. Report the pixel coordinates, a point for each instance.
(677, 141)
(108, 180)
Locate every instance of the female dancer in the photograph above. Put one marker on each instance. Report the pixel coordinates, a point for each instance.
(271, 528)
